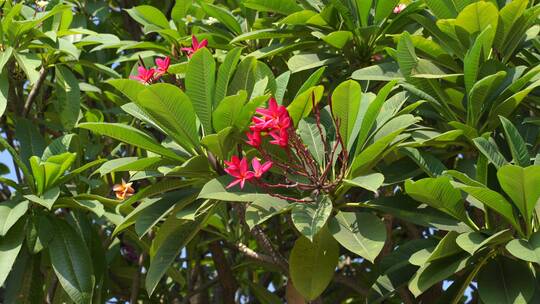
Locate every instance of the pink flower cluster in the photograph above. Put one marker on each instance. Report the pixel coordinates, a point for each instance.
(195, 45)
(162, 65)
(152, 74)
(238, 168)
(400, 8)
(274, 121)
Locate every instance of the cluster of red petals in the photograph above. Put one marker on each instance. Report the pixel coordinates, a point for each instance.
(195, 45)
(152, 74)
(274, 121)
(238, 168)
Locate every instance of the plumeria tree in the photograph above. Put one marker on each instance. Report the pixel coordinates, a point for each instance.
(257, 151)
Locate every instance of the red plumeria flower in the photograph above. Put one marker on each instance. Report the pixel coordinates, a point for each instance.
(145, 75)
(162, 65)
(254, 139)
(274, 111)
(239, 170)
(195, 45)
(399, 8)
(281, 137)
(258, 168)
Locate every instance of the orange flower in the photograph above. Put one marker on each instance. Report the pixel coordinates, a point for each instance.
(123, 190)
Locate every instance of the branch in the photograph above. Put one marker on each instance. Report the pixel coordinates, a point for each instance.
(34, 92)
(226, 278)
(252, 254)
(136, 283)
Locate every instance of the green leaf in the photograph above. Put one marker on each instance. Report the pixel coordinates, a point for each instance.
(47, 199)
(71, 262)
(310, 218)
(429, 163)
(129, 87)
(527, 250)
(172, 111)
(67, 103)
(284, 7)
(508, 16)
(371, 182)
(477, 100)
(150, 17)
(338, 39)
(302, 105)
(516, 143)
(472, 59)
(130, 136)
(264, 208)
(10, 212)
(438, 193)
(225, 72)
(30, 139)
(361, 233)
(10, 245)
(436, 271)
(311, 136)
(521, 185)
(367, 119)
(384, 9)
(216, 190)
(200, 86)
(229, 110)
(173, 235)
(445, 248)
(442, 9)
(387, 71)
(490, 150)
(312, 81)
(4, 91)
(477, 17)
(493, 200)
(507, 281)
(312, 264)
(346, 107)
(472, 242)
(224, 16)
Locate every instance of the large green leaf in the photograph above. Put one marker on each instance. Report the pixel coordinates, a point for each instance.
(171, 109)
(302, 105)
(478, 97)
(438, 193)
(490, 150)
(173, 235)
(527, 250)
(493, 200)
(370, 182)
(519, 151)
(284, 7)
(130, 136)
(10, 212)
(505, 281)
(68, 97)
(264, 208)
(223, 15)
(521, 185)
(310, 218)
(225, 72)
(228, 111)
(474, 241)
(71, 262)
(312, 264)
(436, 271)
(472, 59)
(150, 17)
(200, 86)
(10, 245)
(361, 233)
(311, 136)
(345, 107)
